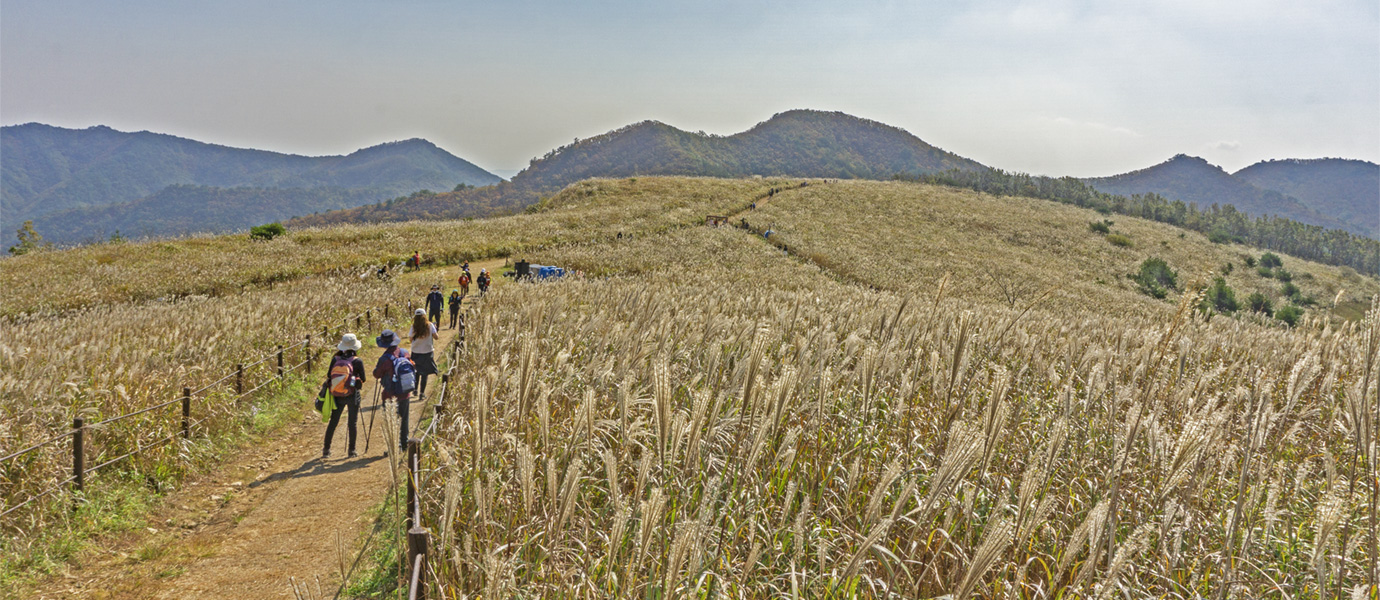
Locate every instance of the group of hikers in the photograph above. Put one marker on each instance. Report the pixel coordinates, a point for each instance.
(399, 371)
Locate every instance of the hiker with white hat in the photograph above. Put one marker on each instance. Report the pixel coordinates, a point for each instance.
(396, 371)
(423, 346)
(344, 379)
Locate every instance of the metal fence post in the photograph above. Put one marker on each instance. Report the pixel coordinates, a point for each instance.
(78, 454)
(280, 361)
(186, 413)
(445, 387)
(414, 450)
(417, 541)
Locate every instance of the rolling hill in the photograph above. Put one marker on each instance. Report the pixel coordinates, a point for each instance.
(798, 143)
(47, 170)
(1346, 189)
(1194, 180)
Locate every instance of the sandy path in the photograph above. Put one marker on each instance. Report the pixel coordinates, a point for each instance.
(275, 512)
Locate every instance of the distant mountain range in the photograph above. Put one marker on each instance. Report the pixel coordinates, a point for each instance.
(1348, 190)
(83, 184)
(1333, 193)
(798, 143)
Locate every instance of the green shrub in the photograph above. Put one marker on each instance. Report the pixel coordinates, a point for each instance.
(1117, 239)
(1265, 272)
(1289, 290)
(1257, 302)
(1220, 297)
(1099, 227)
(1289, 314)
(1219, 236)
(1250, 261)
(266, 232)
(1269, 260)
(1283, 275)
(1155, 277)
(1227, 268)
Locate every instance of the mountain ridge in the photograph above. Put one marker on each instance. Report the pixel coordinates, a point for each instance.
(49, 170)
(795, 143)
(1347, 189)
(1194, 180)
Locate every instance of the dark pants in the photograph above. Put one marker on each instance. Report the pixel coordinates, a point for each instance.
(352, 402)
(405, 426)
(454, 315)
(434, 315)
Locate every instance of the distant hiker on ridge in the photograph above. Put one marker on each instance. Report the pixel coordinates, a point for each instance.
(341, 388)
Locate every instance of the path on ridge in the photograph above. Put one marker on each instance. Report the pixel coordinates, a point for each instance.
(274, 512)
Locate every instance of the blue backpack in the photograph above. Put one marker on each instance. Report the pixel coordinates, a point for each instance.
(404, 374)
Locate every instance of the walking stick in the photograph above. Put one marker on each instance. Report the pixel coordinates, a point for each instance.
(378, 388)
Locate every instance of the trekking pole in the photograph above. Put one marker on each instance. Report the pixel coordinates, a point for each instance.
(370, 434)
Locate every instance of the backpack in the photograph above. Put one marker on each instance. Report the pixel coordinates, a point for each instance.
(342, 377)
(404, 374)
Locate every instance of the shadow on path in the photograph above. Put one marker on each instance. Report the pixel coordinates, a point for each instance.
(316, 466)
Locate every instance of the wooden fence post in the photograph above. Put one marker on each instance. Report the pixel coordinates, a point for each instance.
(369, 318)
(357, 321)
(306, 349)
(417, 541)
(186, 413)
(78, 454)
(414, 450)
(326, 335)
(280, 361)
(385, 312)
(239, 379)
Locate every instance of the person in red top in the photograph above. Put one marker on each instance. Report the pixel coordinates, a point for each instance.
(464, 284)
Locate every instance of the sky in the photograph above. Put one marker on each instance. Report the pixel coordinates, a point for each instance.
(1053, 87)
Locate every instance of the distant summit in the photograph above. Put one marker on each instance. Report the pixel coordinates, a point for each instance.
(1346, 189)
(1193, 180)
(797, 143)
(46, 171)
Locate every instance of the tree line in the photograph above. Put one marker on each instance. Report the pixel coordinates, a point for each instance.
(1221, 223)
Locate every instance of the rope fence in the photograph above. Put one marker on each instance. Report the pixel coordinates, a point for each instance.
(80, 430)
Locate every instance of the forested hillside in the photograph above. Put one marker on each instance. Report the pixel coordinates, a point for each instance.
(1222, 224)
(1346, 189)
(1195, 181)
(798, 143)
(48, 170)
(185, 209)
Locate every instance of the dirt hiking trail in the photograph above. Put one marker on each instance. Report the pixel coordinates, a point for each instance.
(276, 511)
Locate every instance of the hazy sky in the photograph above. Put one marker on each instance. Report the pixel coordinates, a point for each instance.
(1044, 86)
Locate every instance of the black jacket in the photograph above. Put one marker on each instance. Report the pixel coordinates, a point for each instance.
(434, 302)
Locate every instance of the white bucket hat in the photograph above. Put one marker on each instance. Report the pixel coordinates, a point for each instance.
(419, 312)
(349, 342)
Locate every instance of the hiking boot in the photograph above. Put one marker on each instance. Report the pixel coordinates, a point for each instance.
(325, 454)
(353, 454)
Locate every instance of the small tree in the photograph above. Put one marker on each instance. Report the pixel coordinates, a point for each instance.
(1156, 278)
(1220, 297)
(1289, 290)
(29, 240)
(1289, 314)
(1269, 260)
(267, 232)
(1099, 227)
(1283, 275)
(1250, 261)
(1257, 302)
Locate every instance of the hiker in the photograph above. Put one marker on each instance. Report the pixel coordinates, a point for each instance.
(455, 299)
(423, 344)
(434, 302)
(465, 267)
(343, 382)
(483, 281)
(416, 261)
(464, 282)
(398, 375)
